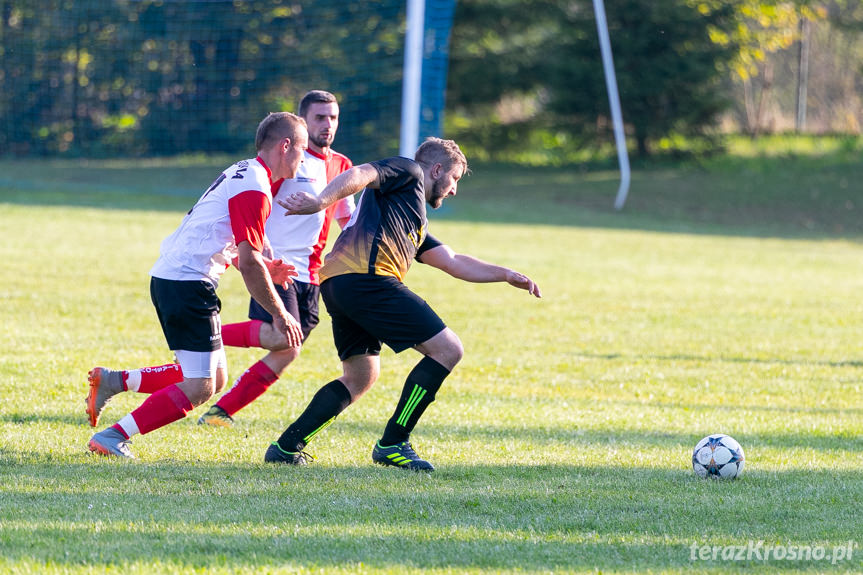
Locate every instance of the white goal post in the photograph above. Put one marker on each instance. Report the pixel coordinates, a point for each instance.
(412, 78)
(412, 86)
(614, 102)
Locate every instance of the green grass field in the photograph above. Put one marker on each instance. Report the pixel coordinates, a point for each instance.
(724, 298)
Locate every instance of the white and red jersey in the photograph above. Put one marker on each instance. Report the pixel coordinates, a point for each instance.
(234, 209)
(300, 240)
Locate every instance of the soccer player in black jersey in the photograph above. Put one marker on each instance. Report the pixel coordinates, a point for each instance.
(361, 285)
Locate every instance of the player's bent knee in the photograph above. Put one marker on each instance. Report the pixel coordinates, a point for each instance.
(356, 387)
(445, 348)
(458, 353)
(358, 383)
(272, 340)
(287, 353)
(198, 389)
(280, 345)
(278, 361)
(456, 349)
(360, 374)
(221, 380)
(451, 356)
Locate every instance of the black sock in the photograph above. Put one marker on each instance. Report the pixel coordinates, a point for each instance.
(328, 402)
(418, 393)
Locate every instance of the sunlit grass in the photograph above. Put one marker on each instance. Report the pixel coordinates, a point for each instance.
(562, 441)
(794, 145)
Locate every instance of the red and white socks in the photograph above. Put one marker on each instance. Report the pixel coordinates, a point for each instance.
(243, 334)
(163, 407)
(250, 386)
(152, 379)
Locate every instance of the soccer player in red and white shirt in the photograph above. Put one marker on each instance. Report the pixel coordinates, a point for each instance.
(298, 241)
(225, 225)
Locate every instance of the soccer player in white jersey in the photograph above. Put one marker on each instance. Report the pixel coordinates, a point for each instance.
(225, 225)
(298, 241)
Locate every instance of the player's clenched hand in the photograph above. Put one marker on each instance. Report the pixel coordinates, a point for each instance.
(290, 328)
(300, 203)
(522, 281)
(280, 272)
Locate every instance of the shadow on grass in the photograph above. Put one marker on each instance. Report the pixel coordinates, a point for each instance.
(712, 359)
(535, 518)
(763, 197)
(539, 436)
(813, 197)
(30, 417)
(707, 406)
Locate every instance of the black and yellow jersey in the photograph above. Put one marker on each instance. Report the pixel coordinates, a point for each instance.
(388, 229)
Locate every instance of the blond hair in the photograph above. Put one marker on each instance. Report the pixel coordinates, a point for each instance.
(277, 126)
(437, 151)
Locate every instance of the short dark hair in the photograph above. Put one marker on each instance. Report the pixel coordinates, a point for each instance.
(446, 152)
(275, 126)
(314, 97)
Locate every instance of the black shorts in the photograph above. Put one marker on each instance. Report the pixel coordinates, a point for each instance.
(369, 309)
(301, 301)
(189, 314)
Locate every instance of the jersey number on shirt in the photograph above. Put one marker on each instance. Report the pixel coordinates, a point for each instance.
(215, 185)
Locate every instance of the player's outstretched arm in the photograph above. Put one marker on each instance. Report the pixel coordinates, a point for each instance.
(471, 269)
(345, 184)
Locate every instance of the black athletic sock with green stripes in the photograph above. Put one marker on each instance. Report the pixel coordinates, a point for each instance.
(419, 391)
(328, 402)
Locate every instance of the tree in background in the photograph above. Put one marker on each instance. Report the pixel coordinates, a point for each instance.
(668, 70)
(96, 78)
(495, 85)
(767, 27)
(540, 62)
(796, 56)
(528, 74)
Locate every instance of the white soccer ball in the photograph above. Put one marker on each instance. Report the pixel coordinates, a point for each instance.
(718, 456)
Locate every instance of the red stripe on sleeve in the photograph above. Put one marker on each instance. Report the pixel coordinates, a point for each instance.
(249, 211)
(336, 165)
